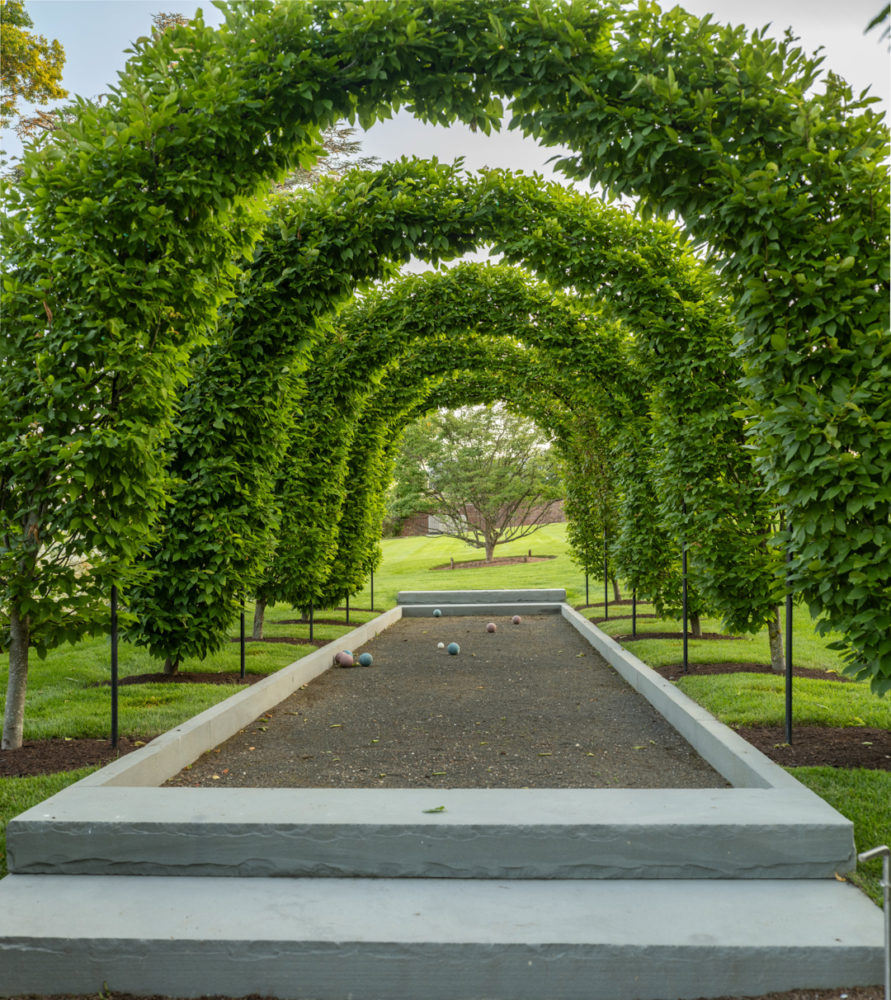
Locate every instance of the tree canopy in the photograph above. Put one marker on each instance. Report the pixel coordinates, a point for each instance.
(31, 67)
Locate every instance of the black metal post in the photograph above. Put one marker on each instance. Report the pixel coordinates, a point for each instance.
(587, 597)
(311, 609)
(684, 597)
(241, 673)
(788, 649)
(684, 580)
(114, 666)
(372, 590)
(348, 609)
(605, 580)
(634, 612)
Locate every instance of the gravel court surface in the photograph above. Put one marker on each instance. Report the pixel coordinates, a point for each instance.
(530, 705)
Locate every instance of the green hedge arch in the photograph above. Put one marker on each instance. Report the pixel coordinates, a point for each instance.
(316, 249)
(467, 370)
(434, 308)
(788, 186)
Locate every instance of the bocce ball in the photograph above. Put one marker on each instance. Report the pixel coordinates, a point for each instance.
(516, 619)
(453, 648)
(365, 659)
(437, 613)
(440, 645)
(344, 658)
(490, 627)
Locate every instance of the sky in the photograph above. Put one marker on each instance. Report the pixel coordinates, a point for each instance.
(95, 33)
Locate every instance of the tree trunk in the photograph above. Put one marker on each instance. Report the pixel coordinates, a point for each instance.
(617, 594)
(171, 665)
(774, 636)
(14, 715)
(490, 550)
(259, 612)
(695, 627)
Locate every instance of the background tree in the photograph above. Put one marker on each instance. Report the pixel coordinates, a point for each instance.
(489, 474)
(31, 67)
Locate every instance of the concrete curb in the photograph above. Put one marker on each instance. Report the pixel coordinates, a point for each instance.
(169, 753)
(729, 754)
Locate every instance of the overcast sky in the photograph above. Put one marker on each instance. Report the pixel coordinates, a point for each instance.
(94, 34)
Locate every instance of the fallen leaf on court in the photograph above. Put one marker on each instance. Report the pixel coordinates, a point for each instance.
(438, 809)
(336, 725)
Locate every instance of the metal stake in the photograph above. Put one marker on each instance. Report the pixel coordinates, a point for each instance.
(788, 650)
(241, 674)
(605, 580)
(884, 852)
(348, 609)
(310, 622)
(114, 666)
(372, 590)
(634, 612)
(684, 597)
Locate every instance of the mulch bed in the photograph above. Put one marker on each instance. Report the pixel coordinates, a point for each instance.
(666, 635)
(292, 640)
(305, 621)
(497, 561)
(675, 671)
(816, 746)
(49, 756)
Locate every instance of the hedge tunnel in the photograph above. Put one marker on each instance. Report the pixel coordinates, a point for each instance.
(126, 232)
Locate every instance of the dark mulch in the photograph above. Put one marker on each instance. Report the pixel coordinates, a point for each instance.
(675, 671)
(292, 640)
(599, 604)
(615, 618)
(497, 561)
(185, 677)
(852, 746)
(668, 635)
(305, 621)
(49, 756)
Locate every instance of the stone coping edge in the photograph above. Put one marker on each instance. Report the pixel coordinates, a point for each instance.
(492, 610)
(170, 752)
(727, 752)
(481, 597)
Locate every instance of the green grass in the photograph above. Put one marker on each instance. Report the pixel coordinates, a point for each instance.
(408, 562)
(758, 699)
(864, 797)
(68, 696)
(19, 794)
(63, 699)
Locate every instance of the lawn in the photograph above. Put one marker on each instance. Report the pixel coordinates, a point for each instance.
(66, 695)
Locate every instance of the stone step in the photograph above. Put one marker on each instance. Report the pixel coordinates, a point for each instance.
(440, 939)
(720, 833)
